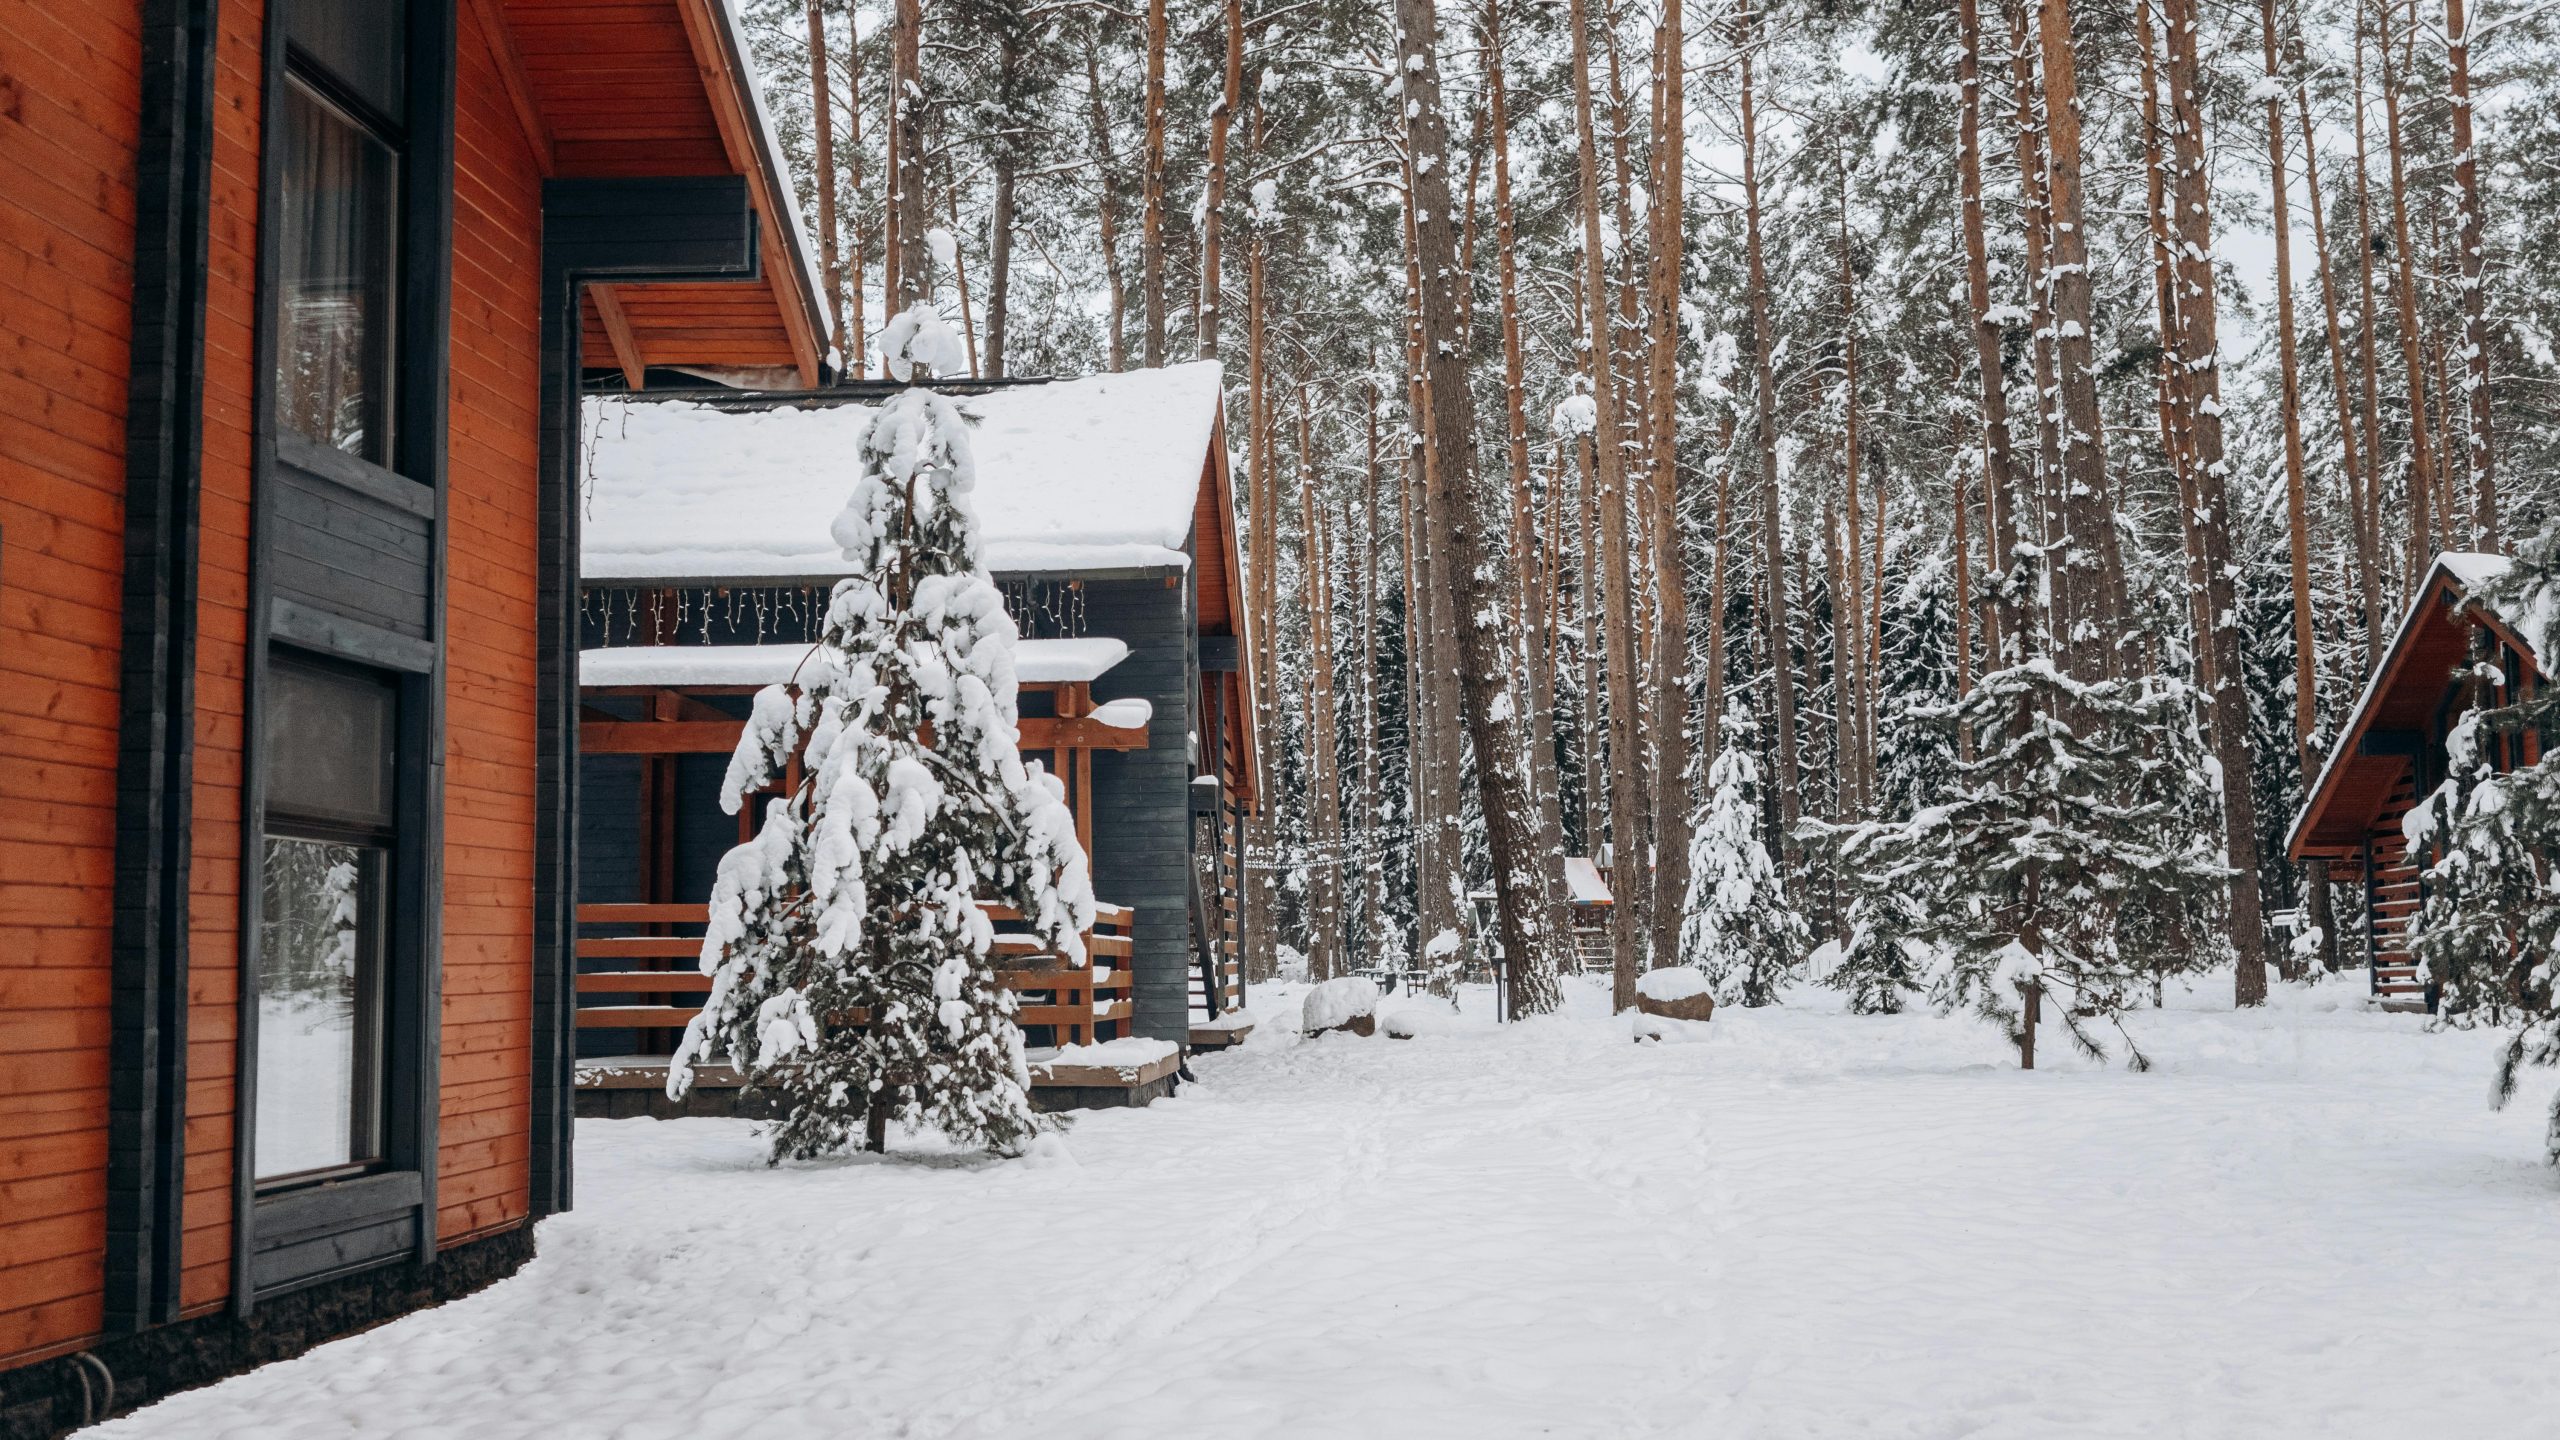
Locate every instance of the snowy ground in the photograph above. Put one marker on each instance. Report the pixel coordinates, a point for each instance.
(2304, 1222)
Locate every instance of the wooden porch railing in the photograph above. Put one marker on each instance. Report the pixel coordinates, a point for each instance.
(657, 990)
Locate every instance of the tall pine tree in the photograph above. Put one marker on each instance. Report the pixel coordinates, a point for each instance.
(849, 957)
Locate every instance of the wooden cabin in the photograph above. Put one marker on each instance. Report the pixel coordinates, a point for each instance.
(2390, 755)
(1587, 905)
(297, 296)
(1106, 516)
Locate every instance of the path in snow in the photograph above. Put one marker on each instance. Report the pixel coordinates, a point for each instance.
(2304, 1222)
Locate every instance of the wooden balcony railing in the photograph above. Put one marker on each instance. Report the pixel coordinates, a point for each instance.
(648, 981)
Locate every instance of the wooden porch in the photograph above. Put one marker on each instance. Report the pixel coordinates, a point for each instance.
(639, 974)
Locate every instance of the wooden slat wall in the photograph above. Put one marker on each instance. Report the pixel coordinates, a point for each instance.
(222, 657)
(1142, 798)
(484, 1129)
(70, 89)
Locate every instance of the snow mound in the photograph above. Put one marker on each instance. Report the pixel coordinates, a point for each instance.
(1336, 1003)
(1416, 1015)
(1642, 1027)
(1673, 982)
(1129, 1052)
(1132, 713)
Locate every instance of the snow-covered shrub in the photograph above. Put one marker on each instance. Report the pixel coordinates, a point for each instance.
(849, 959)
(1738, 927)
(2488, 933)
(2076, 853)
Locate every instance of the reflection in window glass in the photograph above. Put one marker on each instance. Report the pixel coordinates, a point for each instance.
(319, 1007)
(333, 350)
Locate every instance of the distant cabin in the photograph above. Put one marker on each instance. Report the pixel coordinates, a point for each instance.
(1105, 513)
(2390, 755)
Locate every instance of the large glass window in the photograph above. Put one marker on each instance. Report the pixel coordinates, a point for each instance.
(323, 919)
(338, 205)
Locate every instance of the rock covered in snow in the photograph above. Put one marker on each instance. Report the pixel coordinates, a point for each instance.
(1676, 992)
(1350, 1003)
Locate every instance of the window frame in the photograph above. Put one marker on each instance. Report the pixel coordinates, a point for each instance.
(324, 89)
(284, 1237)
(385, 921)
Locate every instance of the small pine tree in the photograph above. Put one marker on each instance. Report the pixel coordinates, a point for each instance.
(1738, 926)
(2488, 933)
(1916, 759)
(859, 894)
(2073, 854)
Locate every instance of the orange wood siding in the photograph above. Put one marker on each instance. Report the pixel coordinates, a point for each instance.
(222, 655)
(485, 1131)
(70, 103)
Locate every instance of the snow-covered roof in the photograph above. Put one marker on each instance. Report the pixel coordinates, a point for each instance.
(1035, 662)
(1079, 476)
(1582, 882)
(2472, 567)
(777, 170)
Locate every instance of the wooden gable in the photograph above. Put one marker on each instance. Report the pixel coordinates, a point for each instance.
(664, 88)
(2407, 706)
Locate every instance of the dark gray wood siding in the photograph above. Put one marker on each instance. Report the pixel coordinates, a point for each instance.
(1142, 798)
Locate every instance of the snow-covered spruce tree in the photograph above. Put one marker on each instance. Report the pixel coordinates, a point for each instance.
(858, 896)
(1738, 926)
(2488, 933)
(2072, 854)
(1915, 757)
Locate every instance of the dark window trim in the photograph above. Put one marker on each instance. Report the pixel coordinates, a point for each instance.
(164, 454)
(389, 1215)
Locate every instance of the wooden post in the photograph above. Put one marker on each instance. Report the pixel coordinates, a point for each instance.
(2031, 993)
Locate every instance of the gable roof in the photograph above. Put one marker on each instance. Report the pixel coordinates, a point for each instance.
(1076, 477)
(2406, 685)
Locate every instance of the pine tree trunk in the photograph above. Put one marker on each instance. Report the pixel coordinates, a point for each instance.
(999, 257)
(2368, 363)
(1788, 779)
(2198, 346)
(1635, 413)
(1372, 787)
(1999, 465)
(857, 341)
(2361, 522)
(2174, 406)
(2034, 509)
(2422, 485)
(2470, 246)
(1530, 916)
(912, 278)
(1849, 658)
(1262, 930)
(960, 282)
(1324, 892)
(1151, 235)
(1439, 836)
(822, 113)
(2297, 505)
(1591, 599)
(1628, 935)
(1106, 174)
(1213, 202)
(1537, 652)
(1670, 879)
(2082, 628)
